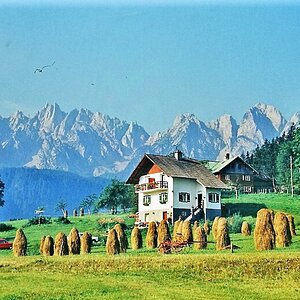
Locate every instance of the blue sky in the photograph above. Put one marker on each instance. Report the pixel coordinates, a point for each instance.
(149, 62)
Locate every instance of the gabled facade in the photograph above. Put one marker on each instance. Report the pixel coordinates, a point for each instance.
(238, 174)
(170, 187)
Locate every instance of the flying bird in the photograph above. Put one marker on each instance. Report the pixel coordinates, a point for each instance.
(42, 68)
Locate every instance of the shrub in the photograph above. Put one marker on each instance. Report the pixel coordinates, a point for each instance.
(163, 232)
(151, 237)
(223, 238)
(48, 246)
(235, 223)
(38, 221)
(283, 237)
(136, 239)
(5, 227)
(20, 244)
(105, 224)
(74, 242)
(86, 243)
(121, 237)
(112, 243)
(264, 234)
(61, 245)
(63, 220)
(200, 239)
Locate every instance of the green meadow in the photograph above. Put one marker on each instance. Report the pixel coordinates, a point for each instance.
(146, 274)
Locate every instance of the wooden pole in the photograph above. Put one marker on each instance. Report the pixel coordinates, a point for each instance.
(291, 167)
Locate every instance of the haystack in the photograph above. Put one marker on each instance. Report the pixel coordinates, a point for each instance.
(187, 232)
(292, 224)
(264, 234)
(163, 232)
(215, 227)
(175, 229)
(136, 239)
(81, 211)
(123, 241)
(200, 239)
(112, 243)
(196, 225)
(151, 237)
(48, 247)
(283, 237)
(75, 213)
(86, 243)
(61, 245)
(206, 228)
(222, 236)
(74, 242)
(20, 244)
(245, 229)
(42, 244)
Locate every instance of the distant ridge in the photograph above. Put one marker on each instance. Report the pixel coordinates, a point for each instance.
(92, 144)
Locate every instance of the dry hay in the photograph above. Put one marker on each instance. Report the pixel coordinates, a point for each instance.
(48, 246)
(177, 232)
(20, 243)
(196, 225)
(187, 233)
(222, 239)
(245, 229)
(283, 237)
(200, 239)
(75, 213)
(136, 239)
(215, 227)
(292, 224)
(42, 244)
(81, 212)
(123, 241)
(163, 233)
(264, 234)
(61, 245)
(206, 228)
(74, 242)
(86, 243)
(112, 243)
(151, 237)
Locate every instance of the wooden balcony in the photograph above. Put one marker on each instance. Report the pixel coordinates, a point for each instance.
(151, 186)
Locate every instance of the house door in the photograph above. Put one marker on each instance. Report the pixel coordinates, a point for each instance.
(165, 215)
(200, 201)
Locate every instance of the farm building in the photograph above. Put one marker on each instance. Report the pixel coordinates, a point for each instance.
(238, 174)
(170, 187)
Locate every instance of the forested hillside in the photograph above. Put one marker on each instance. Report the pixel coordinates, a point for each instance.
(279, 159)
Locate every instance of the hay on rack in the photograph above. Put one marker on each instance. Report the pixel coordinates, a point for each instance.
(223, 239)
(74, 242)
(136, 238)
(200, 239)
(245, 229)
(123, 241)
(283, 237)
(86, 243)
(112, 243)
(151, 237)
(20, 243)
(61, 245)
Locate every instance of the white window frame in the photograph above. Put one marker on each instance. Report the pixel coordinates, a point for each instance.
(163, 198)
(227, 177)
(146, 200)
(247, 189)
(185, 197)
(214, 197)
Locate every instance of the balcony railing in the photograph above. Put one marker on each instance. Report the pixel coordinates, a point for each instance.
(155, 185)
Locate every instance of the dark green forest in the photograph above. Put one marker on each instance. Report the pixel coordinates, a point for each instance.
(279, 159)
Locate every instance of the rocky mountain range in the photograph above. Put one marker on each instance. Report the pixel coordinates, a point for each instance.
(93, 144)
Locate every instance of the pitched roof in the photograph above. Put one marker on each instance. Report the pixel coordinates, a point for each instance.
(217, 166)
(183, 168)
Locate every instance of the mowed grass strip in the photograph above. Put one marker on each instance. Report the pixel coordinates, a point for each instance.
(151, 276)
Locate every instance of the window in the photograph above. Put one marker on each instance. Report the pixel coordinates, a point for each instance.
(146, 200)
(227, 177)
(184, 197)
(163, 198)
(213, 197)
(247, 189)
(246, 178)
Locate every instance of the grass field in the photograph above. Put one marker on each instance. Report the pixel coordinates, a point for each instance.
(146, 274)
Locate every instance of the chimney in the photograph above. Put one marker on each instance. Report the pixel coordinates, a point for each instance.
(178, 155)
(227, 156)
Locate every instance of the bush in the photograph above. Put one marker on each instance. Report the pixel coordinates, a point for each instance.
(5, 227)
(38, 221)
(106, 224)
(63, 220)
(235, 223)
